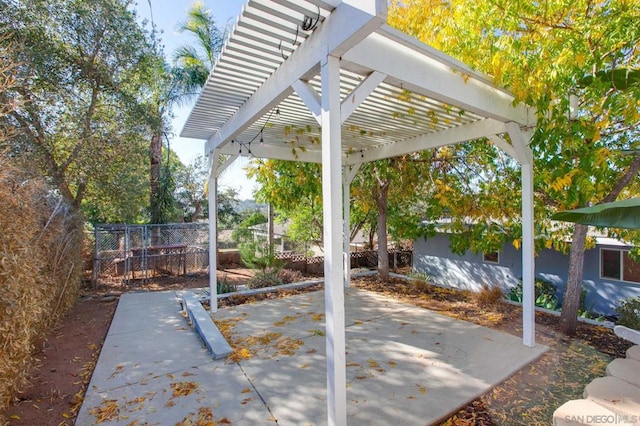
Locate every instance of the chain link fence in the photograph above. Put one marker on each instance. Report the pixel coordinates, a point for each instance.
(125, 253)
(131, 252)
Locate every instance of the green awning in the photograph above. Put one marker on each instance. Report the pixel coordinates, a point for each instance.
(618, 214)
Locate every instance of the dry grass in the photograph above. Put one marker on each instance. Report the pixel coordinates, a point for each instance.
(489, 296)
(40, 269)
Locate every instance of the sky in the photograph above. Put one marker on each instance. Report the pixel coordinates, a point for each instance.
(167, 16)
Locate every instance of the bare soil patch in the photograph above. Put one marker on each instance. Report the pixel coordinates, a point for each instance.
(67, 356)
(65, 359)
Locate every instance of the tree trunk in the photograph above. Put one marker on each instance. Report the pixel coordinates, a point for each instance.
(155, 156)
(573, 289)
(197, 212)
(571, 301)
(270, 224)
(383, 252)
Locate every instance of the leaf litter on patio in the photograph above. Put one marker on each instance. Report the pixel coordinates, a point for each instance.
(246, 347)
(527, 398)
(530, 396)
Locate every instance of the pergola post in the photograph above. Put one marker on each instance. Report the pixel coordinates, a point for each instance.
(346, 225)
(213, 229)
(348, 173)
(520, 142)
(528, 262)
(333, 265)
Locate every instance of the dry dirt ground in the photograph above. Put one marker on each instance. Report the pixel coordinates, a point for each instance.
(66, 356)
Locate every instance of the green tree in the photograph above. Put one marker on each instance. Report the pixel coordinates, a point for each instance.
(228, 216)
(166, 93)
(168, 209)
(379, 194)
(544, 53)
(388, 188)
(81, 90)
(190, 188)
(242, 234)
(295, 192)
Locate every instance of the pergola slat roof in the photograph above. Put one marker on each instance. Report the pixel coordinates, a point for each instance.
(422, 92)
(328, 81)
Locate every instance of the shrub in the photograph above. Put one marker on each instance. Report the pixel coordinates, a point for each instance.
(489, 296)
(288, 276)
(225, 286)
(547, 301)
(259, 254)
(40, 269)
(265, 278)
(421, 285)
(542, 287)
(629, 311)
(420, 276)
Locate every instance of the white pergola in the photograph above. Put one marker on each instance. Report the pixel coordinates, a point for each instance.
(328, 81)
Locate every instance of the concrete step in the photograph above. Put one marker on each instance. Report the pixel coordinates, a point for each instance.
(634, 352)
(616, 395)
(205, 327)
(584, 412)
(626, 369)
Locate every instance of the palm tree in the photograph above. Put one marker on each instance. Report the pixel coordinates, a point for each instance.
(193, 62)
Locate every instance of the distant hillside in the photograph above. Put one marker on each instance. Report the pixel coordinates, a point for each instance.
(250, 205)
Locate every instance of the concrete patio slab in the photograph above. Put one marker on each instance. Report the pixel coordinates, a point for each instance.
(405, 365)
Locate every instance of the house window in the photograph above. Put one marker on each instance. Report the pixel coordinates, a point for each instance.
(491, 257)
(618, 265)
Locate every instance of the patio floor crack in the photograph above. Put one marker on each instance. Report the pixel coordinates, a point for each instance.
(275, 419)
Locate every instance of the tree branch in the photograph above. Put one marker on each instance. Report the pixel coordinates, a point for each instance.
(624, 180)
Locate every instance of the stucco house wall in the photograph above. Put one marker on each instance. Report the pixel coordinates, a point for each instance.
(434, 258)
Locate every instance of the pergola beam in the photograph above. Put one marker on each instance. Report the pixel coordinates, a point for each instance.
(475, 130)
(343, 29)
(499, 141)
(310, 97)
(520, 142)
(360, 93)
(348, 174)
(425, 76)
(226, 163)
(284, 152)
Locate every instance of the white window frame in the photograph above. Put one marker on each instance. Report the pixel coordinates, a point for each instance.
(620, 254)
(496, 262)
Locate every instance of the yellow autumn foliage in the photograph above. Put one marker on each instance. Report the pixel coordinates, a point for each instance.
(40, 269)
